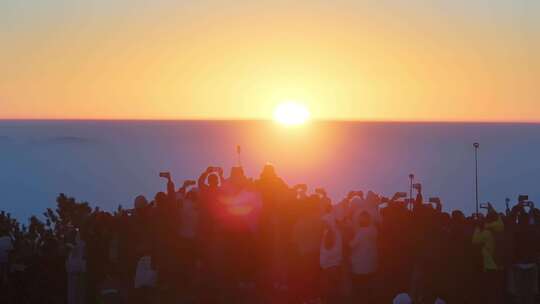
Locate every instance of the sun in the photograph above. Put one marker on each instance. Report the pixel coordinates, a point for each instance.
(291, 113)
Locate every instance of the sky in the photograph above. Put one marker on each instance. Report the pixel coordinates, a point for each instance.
(345, 60)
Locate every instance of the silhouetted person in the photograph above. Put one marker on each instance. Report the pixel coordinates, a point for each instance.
(76, 269)
(492, 275)
(274, 193)
(211, 241)
(306, 238)
(523, 270)
(364, 257)
(6, 247)
(331, 257)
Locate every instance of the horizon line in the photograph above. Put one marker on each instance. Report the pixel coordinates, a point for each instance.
(269, 120)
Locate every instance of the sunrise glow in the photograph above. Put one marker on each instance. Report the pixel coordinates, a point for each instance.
(347, 60)
(291, 113)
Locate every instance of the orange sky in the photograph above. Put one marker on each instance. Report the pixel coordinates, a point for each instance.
(409, 60)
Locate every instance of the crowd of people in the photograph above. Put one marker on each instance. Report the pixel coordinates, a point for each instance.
(243, 240)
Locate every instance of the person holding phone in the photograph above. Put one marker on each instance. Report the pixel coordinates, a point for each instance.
(274, 194)
(188, 232)
(210, 193)
(331, 258)
(364, 258)
(492, 276)
(183, 191)
(523, 271)
(171, 193)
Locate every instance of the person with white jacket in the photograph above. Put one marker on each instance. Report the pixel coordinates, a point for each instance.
(364, 257)
(331, 259)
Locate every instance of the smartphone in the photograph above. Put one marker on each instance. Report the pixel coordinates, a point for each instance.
(383, 205)
(484, 206)
(523, 198)
(320, 191)
(190, 182)
(165, 175)
(400, 195)
(417, 186)
(435, 200)
(355, 193)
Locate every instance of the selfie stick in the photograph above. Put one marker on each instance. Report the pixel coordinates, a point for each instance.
(411, 178)
(238, 153)
(476, 146)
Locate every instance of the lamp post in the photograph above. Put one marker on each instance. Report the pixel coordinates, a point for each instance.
(411, 180)
(476, 146)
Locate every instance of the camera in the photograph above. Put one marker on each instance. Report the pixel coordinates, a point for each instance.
(417, 186)
(523, 198)
(408, 201)
(484, 206)
(190, 182)
(435, 200)
(355, 193)
(399, 195)
(166, 175)
(320, 191)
